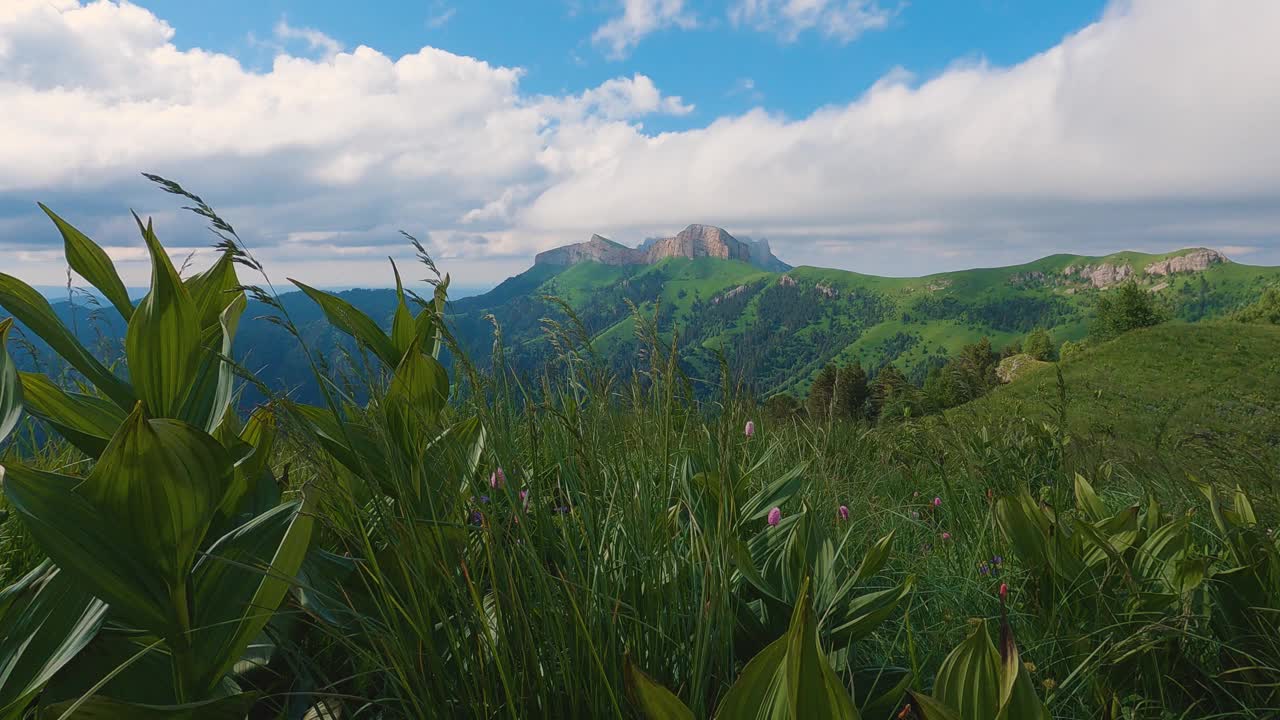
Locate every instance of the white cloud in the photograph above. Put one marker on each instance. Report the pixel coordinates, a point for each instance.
(840, 20)
(746, 87)
(638, 19)
(1152, 128)
(315, 39)
(440, 15)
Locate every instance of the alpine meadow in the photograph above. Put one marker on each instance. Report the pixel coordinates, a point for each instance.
(959, 399)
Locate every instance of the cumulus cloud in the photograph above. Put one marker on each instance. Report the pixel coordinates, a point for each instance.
(1152, 128)
(638, 19)
(841, 20)
(314, 39)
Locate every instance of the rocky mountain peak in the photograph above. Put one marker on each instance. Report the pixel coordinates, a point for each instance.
(695, 241)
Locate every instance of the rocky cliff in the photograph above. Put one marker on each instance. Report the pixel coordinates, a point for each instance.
(695, 241)
(1106, 274)
(1194, 261)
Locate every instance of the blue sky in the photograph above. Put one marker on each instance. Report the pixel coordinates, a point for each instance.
(879, 136)
(721, 68)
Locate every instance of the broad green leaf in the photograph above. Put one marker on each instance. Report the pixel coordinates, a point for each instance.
(1241, 512)
(91, 263)
(351, 444)
(84, 542)
(420, 384)
(137, 668)
(214, 290)
(47, 619)
(426, 326)
(159, 482)
(253, 488)
(969, 678)
(86, 421)
(743, 563)
(162, 342)
(321, 585)
(760, 692)
(657, 702)
(866, 612)
(345, 317)
(404, 330)
(929, 708)
(10, 388)
(1018, 700)
(873, 561)
(881, 690)
(1088, 500)
(813, 690)
(209, 398)
(774, 494)
(1155, 556)
(32, 310)
(241, 581)
(99, 707)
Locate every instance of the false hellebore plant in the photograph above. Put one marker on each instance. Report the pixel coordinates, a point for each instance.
(169, 557)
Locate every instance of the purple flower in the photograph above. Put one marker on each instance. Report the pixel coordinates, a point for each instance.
(997, 560)
(477, 518)
(497, 479)
(751, 428)
(946, 536)
(484, 498)
(775, 517)
(843, 512)
(937, 502)
(983, 568)
(562, 509)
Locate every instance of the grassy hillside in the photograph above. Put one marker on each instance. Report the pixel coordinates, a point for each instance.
(1179, 384)
(779, 329)
(450, 549)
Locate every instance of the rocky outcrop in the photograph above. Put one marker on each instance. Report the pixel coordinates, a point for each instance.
(787, 281)
(728, 294)
(695, 241)
(597, 249)
(826, 290)
(1194, 261)
(1015, 366)
(1022, 279)
(1101, 275)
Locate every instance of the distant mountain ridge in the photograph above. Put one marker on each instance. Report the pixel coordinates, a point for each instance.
(776, 328)
(695, 241)
(779, 327)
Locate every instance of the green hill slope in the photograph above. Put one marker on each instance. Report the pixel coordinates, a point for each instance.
(1211, 383)
(779, 329)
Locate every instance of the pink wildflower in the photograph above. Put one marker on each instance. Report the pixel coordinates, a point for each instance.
(843, 512)
(775, 517)
(946, 536)
(750, 429)
(497, 479)
(937, 502)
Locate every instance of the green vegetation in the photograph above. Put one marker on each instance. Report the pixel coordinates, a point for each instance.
(1128, 307)
(780, 330)
(416, 544)
(1265, 310)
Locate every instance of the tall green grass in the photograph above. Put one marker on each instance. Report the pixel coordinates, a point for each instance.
(511, 552)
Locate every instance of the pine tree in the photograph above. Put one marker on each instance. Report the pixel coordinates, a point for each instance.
(850, 393)
(821, 393)
(1125, 308)
(1039, 345)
